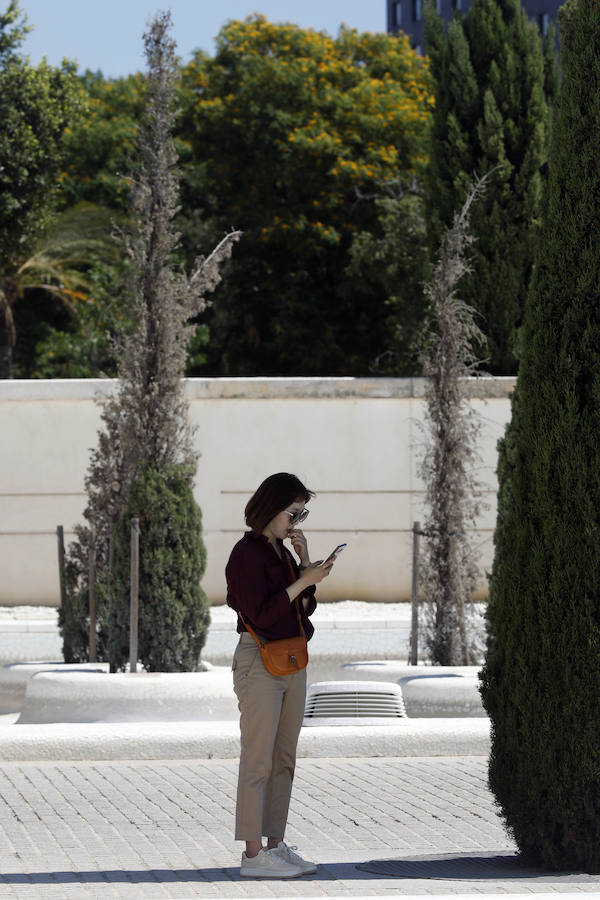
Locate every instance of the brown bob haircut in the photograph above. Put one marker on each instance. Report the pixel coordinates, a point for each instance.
(274, 494)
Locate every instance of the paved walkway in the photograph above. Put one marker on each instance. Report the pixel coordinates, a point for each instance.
(163, 829)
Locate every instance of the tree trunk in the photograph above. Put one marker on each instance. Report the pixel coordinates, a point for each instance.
(8, 294)
(5, 355)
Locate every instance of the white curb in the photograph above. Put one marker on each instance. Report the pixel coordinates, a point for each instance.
(207, 740)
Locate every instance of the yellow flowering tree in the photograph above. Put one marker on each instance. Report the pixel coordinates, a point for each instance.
(100, 149)
(289, 135)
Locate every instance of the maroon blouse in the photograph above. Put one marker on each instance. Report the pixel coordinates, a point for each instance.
(256, 586)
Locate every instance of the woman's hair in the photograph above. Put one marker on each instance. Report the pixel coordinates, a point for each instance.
(274, 494)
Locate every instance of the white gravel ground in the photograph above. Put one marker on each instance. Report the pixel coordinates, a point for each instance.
(342, 609)
(20, 613)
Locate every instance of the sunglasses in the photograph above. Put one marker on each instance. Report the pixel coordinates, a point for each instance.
(297, 517)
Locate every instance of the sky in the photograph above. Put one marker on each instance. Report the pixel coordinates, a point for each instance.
(107, 34)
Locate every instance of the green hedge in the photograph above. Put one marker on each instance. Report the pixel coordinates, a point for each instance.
(73, 618)
(173, 609)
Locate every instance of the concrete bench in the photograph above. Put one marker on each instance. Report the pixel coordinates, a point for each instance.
(82, 696)
(14, 678)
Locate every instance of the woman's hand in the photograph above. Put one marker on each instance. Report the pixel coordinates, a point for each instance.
(300, 545)
(312, 574)
(316, 572)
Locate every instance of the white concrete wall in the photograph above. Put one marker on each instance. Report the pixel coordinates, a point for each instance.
(354, 441)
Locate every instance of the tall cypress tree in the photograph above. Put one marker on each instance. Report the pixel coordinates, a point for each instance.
(541, 680)
(145, 461)
(491, 73)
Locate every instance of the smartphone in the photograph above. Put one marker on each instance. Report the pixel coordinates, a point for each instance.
(334, 554)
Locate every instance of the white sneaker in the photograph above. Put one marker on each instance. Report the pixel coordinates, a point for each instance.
(287, 853)
(268, 864)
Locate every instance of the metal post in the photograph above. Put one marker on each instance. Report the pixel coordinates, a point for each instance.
(111, 662)
(414, 597)
(460, 601)
(134, 594)
(92, 594)
(60, 534)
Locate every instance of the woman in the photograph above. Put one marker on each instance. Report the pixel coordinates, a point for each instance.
(263, 583)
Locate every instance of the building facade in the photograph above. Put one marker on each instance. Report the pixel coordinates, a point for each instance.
(408, 15)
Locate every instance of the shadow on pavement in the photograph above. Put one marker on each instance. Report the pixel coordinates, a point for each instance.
(471, 866)
(146, 876)
(120, 876)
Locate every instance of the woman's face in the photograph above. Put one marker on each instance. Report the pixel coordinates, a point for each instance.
(279, 526)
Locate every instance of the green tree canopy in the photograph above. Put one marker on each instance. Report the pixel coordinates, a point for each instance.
(100, 149)
(76, 339)
(285, 129)
(312, 146)
(541, 681)
(492, 74)
(70, 302)
(390, 261)
(37, 104)
(13, 30)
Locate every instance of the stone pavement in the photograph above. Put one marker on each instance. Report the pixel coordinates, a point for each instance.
(160, 829)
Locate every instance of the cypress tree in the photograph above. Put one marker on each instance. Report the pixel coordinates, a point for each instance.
(541, 679)
(491, 112)
(449, 571)
(146, 436)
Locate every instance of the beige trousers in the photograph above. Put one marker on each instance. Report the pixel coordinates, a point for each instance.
(271, 712)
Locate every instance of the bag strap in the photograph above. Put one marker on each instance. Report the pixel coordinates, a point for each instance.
(293, 574)
(252, 632)
(302, 632)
